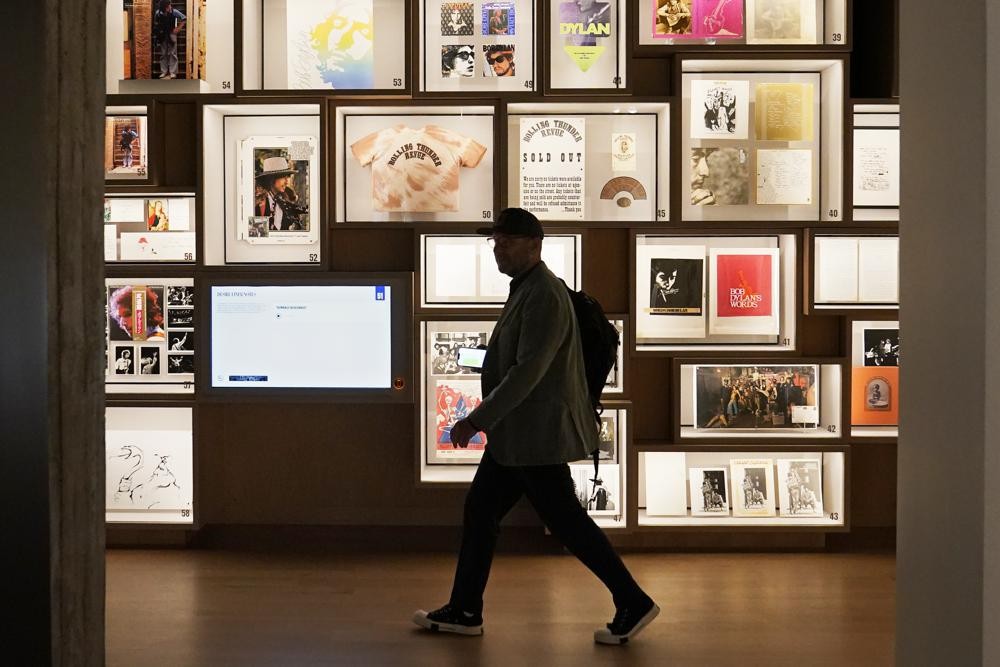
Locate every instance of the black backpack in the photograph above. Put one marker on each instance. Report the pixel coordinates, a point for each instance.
(599, 340)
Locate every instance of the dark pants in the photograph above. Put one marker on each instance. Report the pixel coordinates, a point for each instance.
(549, 488)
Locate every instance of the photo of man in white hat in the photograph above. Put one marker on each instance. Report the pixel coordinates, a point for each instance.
(274, 197)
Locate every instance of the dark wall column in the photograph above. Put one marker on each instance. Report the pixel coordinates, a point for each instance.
(51, 393)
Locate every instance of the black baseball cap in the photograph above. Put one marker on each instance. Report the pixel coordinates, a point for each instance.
(516, 222)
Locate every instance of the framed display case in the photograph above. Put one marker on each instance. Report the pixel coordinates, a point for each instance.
(150, 227)
(734, 292)
(764, 399)
(126, 145)
(325, 45)
(150, 335)
(767, 487)
(263, 184)
(189, 50)
(448, 393)
(876, 162)
(792, 24)
(762, 139)
(586, 45)
(427, 163)
(459, 271)
(589, 161)
(480, 47)
(874, 378)
(149, 465)
(855, 272)
(332, 337)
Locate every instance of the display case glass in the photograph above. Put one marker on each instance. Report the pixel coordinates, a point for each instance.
(321, 45)
(459, 271)
(856, 272)
(773, 399)
(589, 162)
(587, 44)
(151, 51)
(150, 227)
(477, 47)
(149, 465)
(876, 162)
(762, 139)
(419, 164)
(875, 378)
(733, 23)
(715, 292)
(735, 488)
(263, 184)
(150, 335)
(126, 144)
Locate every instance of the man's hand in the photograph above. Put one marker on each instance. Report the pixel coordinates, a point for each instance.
(462, 432)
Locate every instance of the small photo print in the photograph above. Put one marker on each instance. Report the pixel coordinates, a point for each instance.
(498, 18)
(458, 61)
(720, 177)
(498, 60)
(149, 361)
(800, 487)
(457, 18)
(444, 355)
(157, 215)
(607, 438)
(124, 360)
(709, 492)
(180, 363)
(257, 227)
(673, 18)
(881, 347)
(181, 341)
(878, 394)
(180, 317)
(180, 296)
(598, 494)
(675, 286)
(125, 147)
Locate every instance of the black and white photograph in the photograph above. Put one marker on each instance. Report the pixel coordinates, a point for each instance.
(180, 317)
(178, 364)
(149, 360)
(125, 360)
(458, 61)
(756, 397)
(878, 394)
(181, 341)
(709, 491)
(800, 487)
(457, 18)
(599, 495)
(614, 384)
(180, 296)
(444, 352)
(881, 347)
(753, 487)
(607, 436)
(676, 286)
(720, 177)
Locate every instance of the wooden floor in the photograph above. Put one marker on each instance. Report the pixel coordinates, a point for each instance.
(212, 608)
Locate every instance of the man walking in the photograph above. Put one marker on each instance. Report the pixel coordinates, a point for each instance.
(537, 414)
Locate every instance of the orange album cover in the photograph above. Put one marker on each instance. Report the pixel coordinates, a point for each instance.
(875, 395)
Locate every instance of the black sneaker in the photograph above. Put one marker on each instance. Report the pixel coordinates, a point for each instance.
(450, 619)
(628, 622)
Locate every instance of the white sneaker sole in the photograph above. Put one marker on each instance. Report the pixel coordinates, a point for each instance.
(420, 618)
(604, 636)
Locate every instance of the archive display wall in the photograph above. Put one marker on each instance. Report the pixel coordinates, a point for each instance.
(289, 244)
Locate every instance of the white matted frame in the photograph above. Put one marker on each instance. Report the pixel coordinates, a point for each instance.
(859, 351)
(855, 272)
(226, 127)
(133, 230)
(876, 162)
(626, 156)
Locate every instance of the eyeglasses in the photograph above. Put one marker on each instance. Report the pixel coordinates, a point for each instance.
(494, 241)
(464, 55)
(502, 58)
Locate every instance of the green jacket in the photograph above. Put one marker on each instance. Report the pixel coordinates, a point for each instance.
(536, 410)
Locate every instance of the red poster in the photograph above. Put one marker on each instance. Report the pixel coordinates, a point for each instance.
(743, 286)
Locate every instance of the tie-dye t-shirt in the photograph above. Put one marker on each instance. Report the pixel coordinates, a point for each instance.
(416, 170)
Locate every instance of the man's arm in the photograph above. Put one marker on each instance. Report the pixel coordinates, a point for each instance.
(541, 334)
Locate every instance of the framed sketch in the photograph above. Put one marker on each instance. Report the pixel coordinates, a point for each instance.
(587, 44)
(753, 487)
(709, 491)
(149, 465)
(800, 487)
(151, 228)
(126, 147)
(417, 164)
(150, 335)
(477, 47)
(757, 398)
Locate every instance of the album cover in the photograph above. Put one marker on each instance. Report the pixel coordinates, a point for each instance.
(697, 19)
(331, 44)
(498, 18)
(749, 397)
(445, 346)
(744, 287)
(600, 495)
(458, 61)
(784, 112)
(125, 147)
(455, 400)
(675, 286)
(800, 487)
(498, 60)
(673, 18)
(719, 109)
(875, 396)
(720, 177)
(709, 491)
(276, 189)
(585, 27)
(552, 166)
(457, 19)
(135, 313)
(753, 487)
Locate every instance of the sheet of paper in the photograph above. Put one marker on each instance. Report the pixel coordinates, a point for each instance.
(126, 210)
(784, 111)
(876, 167)
(836, 270)
(454, 266)
(878, 270)
(666, 484)
(110, 243)
(180, 214)
(784, 177)
(158, 246)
